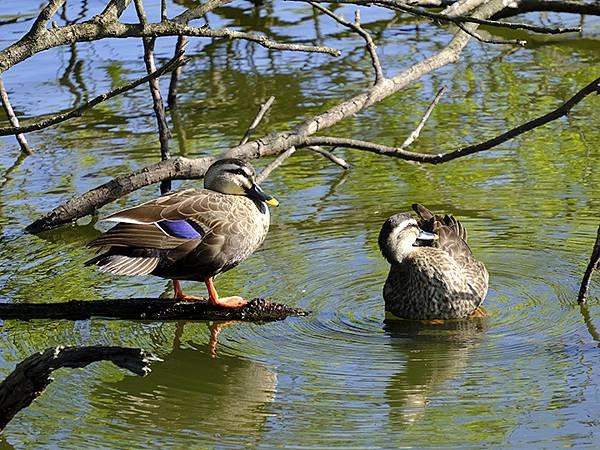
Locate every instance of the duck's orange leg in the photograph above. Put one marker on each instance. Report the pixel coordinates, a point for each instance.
(225, 302)
(179, 295)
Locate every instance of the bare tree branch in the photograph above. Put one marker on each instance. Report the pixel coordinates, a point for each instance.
(159, 110)
(371, 48)
(272, 144)
(12, 117)
(559, 6)
(173, 63)
(39, 25)
(115, 9)
(275, 164)
(594, 264)
(172, 97)
(100, 28)
(397, 152)
(32, 375)
(257, 310)
(199, 11)
(331, 157)
(480, 38)
(259, 116)
(417, 131)
(455, 16)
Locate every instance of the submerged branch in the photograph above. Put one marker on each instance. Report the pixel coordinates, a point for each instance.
(257, 310)
(31, 376)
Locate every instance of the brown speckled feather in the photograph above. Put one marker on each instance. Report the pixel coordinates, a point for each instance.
(442, 280)
(232, 227)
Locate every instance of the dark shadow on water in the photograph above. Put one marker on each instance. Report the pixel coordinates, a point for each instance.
(435, 355)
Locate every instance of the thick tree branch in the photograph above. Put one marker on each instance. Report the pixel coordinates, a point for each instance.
(100, 28)
(257, 310)
(172, 64)
(12, 117)
(559, 6)
(272, 144)
(39, 25)
(594, 264)
(31, 376)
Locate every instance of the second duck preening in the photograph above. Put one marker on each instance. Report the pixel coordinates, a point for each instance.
(433, 273)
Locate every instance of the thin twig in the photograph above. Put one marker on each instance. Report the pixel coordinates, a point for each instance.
(275, 164)
(480, 38)
(12, 117)
(461, 19)
(371, 48)
(172, 97)
(259, 116)
(593, 87)
(163, 10)
(159, 110)
(199, 11)
(594, 264)
(417, 131)
(173, 63)
(331, 157)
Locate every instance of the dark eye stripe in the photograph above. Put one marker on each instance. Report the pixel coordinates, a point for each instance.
(238, 172)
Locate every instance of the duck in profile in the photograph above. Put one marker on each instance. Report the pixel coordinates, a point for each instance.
(191, 234)
(433, 273)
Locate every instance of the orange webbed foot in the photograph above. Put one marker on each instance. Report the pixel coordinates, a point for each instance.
(229, 302)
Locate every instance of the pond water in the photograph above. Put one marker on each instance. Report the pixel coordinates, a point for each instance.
(526, 377)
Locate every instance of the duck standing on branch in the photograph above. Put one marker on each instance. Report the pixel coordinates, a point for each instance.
(433, 273)
(191, 234)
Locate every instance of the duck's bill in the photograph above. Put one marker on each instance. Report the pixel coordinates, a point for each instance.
(426, 237)
(257, 193)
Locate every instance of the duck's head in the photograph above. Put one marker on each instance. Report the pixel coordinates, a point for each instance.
(236, 177)
(399, 236)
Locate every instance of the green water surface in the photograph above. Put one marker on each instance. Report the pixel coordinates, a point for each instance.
(527, 377)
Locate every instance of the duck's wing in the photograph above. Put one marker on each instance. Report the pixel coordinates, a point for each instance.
(163, 223)
(452, 234)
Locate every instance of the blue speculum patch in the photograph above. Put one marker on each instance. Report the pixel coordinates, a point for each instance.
(180, 228)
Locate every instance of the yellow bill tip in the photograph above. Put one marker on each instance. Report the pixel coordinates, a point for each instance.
(272, 201)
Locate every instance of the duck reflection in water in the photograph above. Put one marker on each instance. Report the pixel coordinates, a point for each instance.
(434, 355)
(194, 393)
